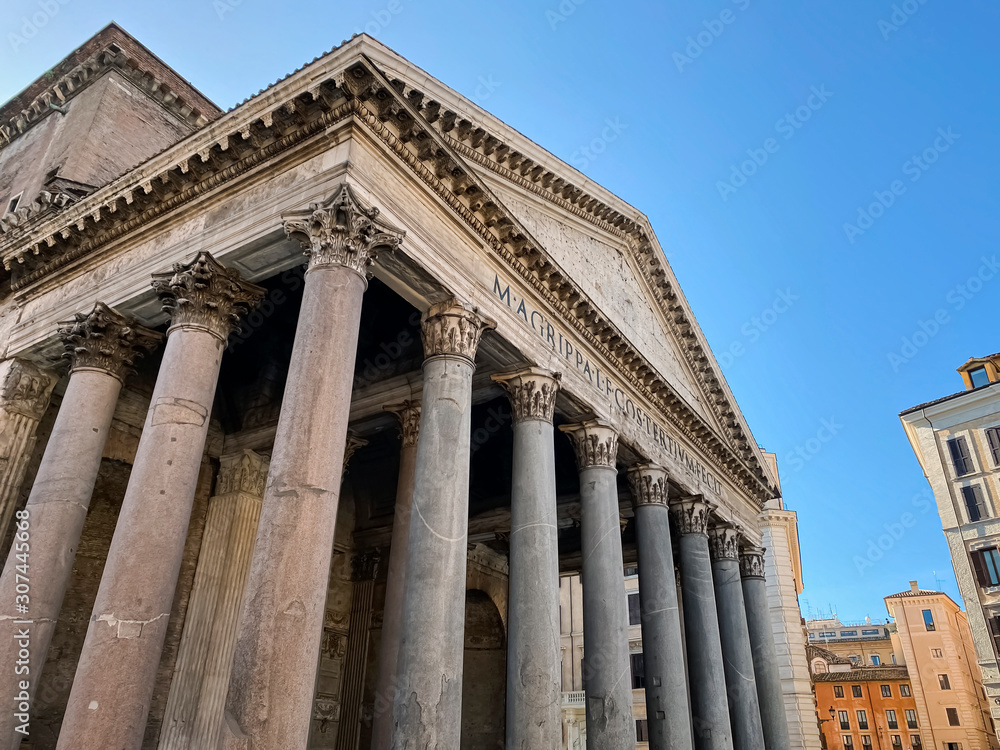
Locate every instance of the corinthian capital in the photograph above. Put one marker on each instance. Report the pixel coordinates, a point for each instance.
(454, 329)
(649, 484)
(245, 472)
(690, 515)
(205, 294)
(532, 393)
(724, 542)
(25, 388)
(596, 443)
(408, 414)
(106, 340)
(341, 232)
(752, 562)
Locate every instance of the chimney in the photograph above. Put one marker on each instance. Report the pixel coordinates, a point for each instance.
(914, 588)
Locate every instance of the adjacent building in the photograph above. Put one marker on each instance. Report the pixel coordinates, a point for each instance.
(956, 439)
(864, 643)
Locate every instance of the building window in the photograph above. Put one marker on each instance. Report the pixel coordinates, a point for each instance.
(911, 719)
(890, 717)
(12, 203)
(845, 720)
(904, 690)
(838, 691)
(866, 740)
(638, 671)
(993, 440)
(960, 456)
(848, 741)
(936, 653)
(862, 720)
(870, 632)
(979, 377)
(994, 622)
(928, 620)
(944, 682)
(886, 691)
(827, 635)
(855, 660)
(856, 691)
(915, 741)
(953, 746)
(631, 571)
(952, 717)
(974, 503)
(897, 741)
(848, 633)
(986, 563)
(641, 730)
(876, 660)
(634, 613)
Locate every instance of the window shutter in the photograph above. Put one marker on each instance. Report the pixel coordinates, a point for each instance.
(993, 438)
(960, 455)
(979, 566)
(973, 496)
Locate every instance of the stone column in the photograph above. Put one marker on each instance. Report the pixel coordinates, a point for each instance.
(274, 668)
(668, 710)
(364, 568)
(533, 636)
(24, 397)
(197, 696)
(101, 347)
(427, 712)
(387, 684)
(765, 661)
(116, 673)
(606, 669)
(706, 674)
(744, 711)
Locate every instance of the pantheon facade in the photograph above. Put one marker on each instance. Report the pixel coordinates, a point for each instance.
(306, 407)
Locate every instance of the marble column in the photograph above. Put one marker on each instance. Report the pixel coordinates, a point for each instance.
(765, 660)
(706, 673)
(24, 396)
(744, 711)
(101, 346)
(387, 683)
(668, 710)
(606, 664)
(115, 676)
(197, 697)
(427, 712)
(533, 635)
(275, 664)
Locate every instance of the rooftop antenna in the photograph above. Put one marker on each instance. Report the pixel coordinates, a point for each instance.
(938, 582)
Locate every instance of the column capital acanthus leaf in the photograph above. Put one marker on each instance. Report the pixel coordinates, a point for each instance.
(453, 328)
(752, 562)
(25, 388)
(690, 514)
(532, 393)
(408, 414)
(649, 484)
(244, 472)
(596, 443)
(104, 339)
(724, 542)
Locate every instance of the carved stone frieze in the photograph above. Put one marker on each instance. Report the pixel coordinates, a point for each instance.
(364, 565)
(752, 562)
(245, 472)
(25, 389)
(452, 328)
(333, 644)
(532, 393)
(408, 414)
(205, 294)
(342, 232)
(724, 542)
(596, 443)
(106, 340)
(649, 484)
(690, 515)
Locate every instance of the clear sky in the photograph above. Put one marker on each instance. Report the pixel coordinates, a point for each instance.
(755, 136)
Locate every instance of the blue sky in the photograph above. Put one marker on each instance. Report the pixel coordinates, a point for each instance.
(755, 136)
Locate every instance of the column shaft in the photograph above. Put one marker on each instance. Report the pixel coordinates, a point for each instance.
(364, 568)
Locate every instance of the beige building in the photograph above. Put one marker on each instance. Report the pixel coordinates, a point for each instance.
(957, 441)
(864, 643)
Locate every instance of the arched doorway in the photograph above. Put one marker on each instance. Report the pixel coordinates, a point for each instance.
(484, 683)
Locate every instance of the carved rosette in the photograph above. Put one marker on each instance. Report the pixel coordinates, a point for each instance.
(106, 340)
(453, 329)
(690, 515)
(752, 562)
(408, 414)
(205, 294)
(649, 484)
(350, 448)
(364, 565)
(342, 232)
(596, 443)
(724, 542)
(245, 472)
(532, 393)
(25, 389)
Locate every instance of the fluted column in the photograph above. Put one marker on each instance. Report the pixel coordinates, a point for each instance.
(744, 711)
(533, 636)
(114, 680)
(706, 673)
(606, 666)
(101, 346)
(765, 661)
(195, 705)
(427, 711)
(24, 396)
(668, 710)
(364, 568)
(274, 667)
(387, 684)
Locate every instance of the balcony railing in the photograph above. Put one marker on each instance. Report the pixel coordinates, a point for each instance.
(575, 699)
